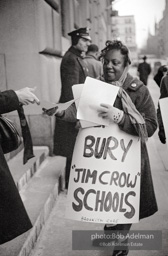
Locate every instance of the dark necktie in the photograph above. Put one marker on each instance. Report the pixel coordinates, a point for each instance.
(27, 140)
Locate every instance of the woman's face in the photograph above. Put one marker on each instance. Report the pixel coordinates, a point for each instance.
(113, 65)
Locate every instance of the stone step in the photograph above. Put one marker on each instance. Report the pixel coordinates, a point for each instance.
(39, 195)
(56, 237)
(22, 173)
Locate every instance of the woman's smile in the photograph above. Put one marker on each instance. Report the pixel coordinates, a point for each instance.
(113, 65)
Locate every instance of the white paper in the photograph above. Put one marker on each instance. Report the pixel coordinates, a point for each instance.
(77, 91)
(93, 94)
(61, 106)
(46, 104)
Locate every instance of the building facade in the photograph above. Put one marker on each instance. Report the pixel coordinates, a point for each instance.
(153, 42)
(163, 33)
(157, 44)
(123, 28)
(34, 39)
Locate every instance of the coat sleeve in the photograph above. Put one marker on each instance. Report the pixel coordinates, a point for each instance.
(8, 101)
(69, 114)
(69, 77)
(144, 104)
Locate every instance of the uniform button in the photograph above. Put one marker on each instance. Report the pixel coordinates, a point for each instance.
(133, 85)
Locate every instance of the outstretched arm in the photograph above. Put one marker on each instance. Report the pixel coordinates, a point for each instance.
(68, 115)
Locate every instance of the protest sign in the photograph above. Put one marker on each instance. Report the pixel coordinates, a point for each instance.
(104, 184)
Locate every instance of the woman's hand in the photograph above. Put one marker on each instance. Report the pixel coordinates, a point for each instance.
(111, 113)
(78, 125)
(53, 111)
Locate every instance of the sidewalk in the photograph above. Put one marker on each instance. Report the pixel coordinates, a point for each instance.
(56, 239)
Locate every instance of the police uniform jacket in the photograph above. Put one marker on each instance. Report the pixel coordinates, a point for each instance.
(73, 71)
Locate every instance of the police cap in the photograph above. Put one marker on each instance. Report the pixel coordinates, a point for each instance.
(81, 32)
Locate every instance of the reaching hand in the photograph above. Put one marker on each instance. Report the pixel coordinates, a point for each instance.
(26, 96)
(50, 112)
(53, 111)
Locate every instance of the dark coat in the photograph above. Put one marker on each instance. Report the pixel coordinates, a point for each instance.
(95, 67)
(13, 217)
(73, 71)
(163, 94)
(144, 70)
(160, 73)
(141, 97)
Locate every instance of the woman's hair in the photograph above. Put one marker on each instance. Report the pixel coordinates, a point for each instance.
(116, 45)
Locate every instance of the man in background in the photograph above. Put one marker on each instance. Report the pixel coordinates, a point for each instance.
(73, 71)
(144, 70)
(95, 68)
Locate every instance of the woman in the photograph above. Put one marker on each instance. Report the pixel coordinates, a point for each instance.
(134, 113)
(13, 217)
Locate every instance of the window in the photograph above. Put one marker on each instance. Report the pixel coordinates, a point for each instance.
(76, 14)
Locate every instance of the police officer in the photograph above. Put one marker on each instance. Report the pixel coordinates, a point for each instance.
(73, 71)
